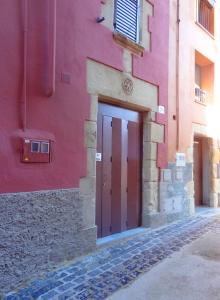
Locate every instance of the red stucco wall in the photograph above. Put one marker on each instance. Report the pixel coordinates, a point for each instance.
(61, 117)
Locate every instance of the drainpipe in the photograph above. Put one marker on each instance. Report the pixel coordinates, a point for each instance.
(52, 6)
(177, 77)
(24, 86)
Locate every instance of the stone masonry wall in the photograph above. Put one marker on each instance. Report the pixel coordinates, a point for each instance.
(177, 192)
(37, 231)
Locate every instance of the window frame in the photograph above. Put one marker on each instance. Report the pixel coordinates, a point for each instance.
(138, 20)
(33, 144)
(211, 29)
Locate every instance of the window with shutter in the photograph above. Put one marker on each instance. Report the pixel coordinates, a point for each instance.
(127, 18)
(206, 14)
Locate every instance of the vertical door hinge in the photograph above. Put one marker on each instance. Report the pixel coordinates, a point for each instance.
(127, 159)
(126, 189)
(111, 123)
(111, 191)
(111, 159)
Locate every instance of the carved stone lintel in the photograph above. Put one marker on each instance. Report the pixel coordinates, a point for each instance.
(127, 86)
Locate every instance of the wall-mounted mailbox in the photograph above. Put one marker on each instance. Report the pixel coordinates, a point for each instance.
(36, 151)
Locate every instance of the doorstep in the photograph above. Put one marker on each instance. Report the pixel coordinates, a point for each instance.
(120, 236)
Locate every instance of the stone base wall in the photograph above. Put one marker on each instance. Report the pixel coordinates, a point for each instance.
(159, 219)
(175, 196)
(38, 230)
(177, 191)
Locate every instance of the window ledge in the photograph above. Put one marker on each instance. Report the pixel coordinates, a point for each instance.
(201, 103)
(204, 29)
(123, 41)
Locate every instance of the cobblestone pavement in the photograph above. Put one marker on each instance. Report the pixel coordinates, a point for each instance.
(98, 275)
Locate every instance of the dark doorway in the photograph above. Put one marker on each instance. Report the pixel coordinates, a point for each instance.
(118, 169)
(198, 171)
(201, 170)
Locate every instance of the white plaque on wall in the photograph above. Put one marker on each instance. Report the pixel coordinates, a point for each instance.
(180, 159)
(161, 109)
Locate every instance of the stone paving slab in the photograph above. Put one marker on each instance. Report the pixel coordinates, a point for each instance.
(98, 275)
(193, 273)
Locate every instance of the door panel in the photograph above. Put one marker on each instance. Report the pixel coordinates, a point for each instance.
(133, 174)
(124, 171)
(106, 175)
(99, 178)
(118, 174)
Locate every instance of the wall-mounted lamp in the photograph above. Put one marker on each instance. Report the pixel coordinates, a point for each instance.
(100, 19)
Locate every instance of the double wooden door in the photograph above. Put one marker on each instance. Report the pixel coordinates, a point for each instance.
(117, 170)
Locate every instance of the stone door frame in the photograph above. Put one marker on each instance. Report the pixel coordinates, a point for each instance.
(213, 154)
(143, 98)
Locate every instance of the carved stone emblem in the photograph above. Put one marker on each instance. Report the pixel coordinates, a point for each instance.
(127, 86)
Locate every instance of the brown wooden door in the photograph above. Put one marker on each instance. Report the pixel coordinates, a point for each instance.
(134, 161)
(197, 171)
(118, 172)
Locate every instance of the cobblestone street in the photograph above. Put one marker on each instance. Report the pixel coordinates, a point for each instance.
(100, 274)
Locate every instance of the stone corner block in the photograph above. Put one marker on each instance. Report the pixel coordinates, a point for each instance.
(189, 188)
(150, 197)
(87, 195)
(189, 155)
(91, 162)
(166, 175)
(214, 200)
(93, 108)
(216, 156)
(154, 220)
(90, 134)
(191, 207)
(179, 175)
(150, 150)
(150, 170)
(150, 117)
(218, 170)
(153, 132)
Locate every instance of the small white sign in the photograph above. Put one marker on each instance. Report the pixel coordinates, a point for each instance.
(161, 109)
(180, 160)
(98, 156)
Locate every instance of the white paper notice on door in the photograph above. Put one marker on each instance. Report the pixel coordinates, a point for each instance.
(98, 156)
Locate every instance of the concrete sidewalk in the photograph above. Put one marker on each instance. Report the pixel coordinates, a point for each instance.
(135, 262)
(191, 274)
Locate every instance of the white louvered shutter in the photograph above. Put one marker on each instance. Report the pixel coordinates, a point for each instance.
(211, 2)
(126, 18)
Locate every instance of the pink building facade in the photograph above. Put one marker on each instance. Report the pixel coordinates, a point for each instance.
(65, 63)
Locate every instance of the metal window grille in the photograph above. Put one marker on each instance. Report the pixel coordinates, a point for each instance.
(200, 95)
(127, 18)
